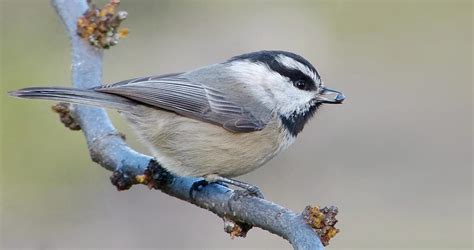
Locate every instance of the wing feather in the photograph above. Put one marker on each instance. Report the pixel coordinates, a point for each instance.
(191, 99)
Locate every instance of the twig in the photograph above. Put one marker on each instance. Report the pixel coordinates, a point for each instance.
(108, 149)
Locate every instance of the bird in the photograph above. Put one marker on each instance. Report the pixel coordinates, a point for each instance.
(218, 121)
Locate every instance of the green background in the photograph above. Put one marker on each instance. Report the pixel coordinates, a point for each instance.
(396, 158)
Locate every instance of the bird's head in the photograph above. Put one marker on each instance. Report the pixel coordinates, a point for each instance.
(286, 83)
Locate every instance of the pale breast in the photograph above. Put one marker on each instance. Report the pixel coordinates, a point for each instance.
(193, 148)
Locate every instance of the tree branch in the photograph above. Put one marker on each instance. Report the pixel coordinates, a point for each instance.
(108, 149)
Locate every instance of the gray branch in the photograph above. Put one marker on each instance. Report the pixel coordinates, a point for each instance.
(108, 149)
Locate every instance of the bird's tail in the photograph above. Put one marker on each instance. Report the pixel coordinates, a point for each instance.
(79, 96)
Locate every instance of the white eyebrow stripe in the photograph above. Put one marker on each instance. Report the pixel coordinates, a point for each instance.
(293, 64)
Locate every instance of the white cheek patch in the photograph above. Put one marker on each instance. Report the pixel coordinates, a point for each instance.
(272, 89)
(252, 76)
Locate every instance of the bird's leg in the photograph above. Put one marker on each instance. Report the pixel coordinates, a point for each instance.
(198, 185)
(250, 189)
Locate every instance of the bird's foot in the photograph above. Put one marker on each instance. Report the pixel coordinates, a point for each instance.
(251, 191)
(248, 189)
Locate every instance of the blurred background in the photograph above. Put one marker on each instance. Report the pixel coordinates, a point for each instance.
(396, 158)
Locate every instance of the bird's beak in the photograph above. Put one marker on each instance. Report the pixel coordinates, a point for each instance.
(330, 96)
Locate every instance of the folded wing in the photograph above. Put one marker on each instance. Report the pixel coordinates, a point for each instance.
(191, 99)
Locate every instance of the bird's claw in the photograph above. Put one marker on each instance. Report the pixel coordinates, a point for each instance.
(255, 191)
(252, 191)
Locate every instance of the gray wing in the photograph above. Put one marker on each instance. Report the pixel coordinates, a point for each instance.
(178, 94)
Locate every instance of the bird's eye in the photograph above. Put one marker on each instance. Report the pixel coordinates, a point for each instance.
(300, 84)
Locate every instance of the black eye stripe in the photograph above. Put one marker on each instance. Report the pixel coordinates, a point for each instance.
(293, 74)
(270, 59)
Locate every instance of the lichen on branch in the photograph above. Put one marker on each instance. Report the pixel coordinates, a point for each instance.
(101, 26)
(64, 111)
(322, 221)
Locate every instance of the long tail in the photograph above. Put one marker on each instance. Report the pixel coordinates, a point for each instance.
(79, 96)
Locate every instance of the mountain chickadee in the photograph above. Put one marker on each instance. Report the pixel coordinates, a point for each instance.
(218, 121)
